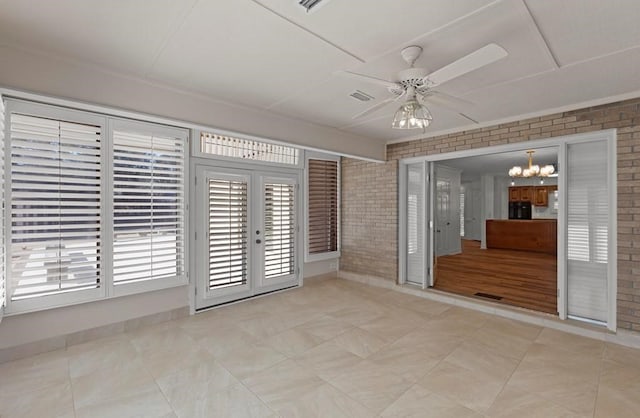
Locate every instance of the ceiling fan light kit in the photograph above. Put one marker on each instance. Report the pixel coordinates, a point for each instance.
(417, 85)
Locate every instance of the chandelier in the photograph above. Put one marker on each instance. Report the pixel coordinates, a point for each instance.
(533, 170)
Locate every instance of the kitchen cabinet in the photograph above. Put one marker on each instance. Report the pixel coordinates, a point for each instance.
(541, 196)
(514, 194)
(526, 194)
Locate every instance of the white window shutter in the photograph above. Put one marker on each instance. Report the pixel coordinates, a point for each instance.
(56, 232)
(279, 229)
(3, 259)
(587, 229)
(415, 223)
(148, 202)
(322, 209)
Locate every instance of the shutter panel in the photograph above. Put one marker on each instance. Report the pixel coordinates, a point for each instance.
(587, 229)
(279, 233)
(228, 234)
(415, 223)
(322, 234)
(148, 203)
(3, 276)
(55, 206)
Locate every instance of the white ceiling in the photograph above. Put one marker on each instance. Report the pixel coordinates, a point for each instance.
(272, 55)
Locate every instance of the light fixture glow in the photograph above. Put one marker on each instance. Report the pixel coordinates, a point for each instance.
(412, 115)
(532, 170)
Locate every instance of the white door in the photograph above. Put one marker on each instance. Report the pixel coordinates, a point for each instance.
(447, 211)
(417, 234)
(472, 211)
(246, 234)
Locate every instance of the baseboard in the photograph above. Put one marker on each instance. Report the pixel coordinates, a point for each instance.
(63, 341)
(621, 337)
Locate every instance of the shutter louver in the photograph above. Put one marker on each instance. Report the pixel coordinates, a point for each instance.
(415, 223)
(323, 206)
(587, 229)
(228, 235)
(55, 206)
(279, 234)
(148, 205)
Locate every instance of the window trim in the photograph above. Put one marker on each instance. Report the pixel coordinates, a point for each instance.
(308, 258)
(107, 289)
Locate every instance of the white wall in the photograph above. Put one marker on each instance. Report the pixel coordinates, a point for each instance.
(51, 75)
(316, 268)
(29, 327)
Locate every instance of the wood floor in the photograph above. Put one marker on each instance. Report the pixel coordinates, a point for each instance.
(520, 278)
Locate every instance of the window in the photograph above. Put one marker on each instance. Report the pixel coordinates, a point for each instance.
(3, 277)
(70, 240)
(322, 208)
(148, 202)
(247, 149)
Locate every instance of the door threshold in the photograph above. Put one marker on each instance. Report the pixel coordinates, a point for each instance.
(232, 302)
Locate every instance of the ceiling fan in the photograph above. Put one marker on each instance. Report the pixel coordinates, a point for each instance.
(417, 84)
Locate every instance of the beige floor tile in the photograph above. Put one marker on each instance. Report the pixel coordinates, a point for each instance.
(514, 402)
(371, 385)
(114, 382)
(54, 401)
(324, 401)
(619, 391)
(360, 342)
(427, 307)
(195, 382)
(621, 355)
(473, 318)
(34, 373)
(483, 361)
(506, 337)
(149, 403)
(325, 327)
(411, 362)
(436, 342)
(389, 328)
(570, 381)
(293, 342)
(226, 340)
(102, 353)
(576, 344)
(418, 402)
(278, 384)
(268, 325)
(247, 360)
(472, 389)
(165, 360)
(328, 360)
(236, 401)
(357, 315)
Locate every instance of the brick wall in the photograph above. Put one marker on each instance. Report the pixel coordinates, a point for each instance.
(370, 204)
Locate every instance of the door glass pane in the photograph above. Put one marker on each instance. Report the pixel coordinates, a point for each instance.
(279, 233)
(228, 235)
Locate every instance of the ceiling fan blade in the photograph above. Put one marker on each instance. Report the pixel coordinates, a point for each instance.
(376, 107)
(445, 100)
(477, 59)
(370, 79)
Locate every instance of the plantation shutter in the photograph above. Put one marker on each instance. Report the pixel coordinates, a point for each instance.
(415, 223)
(228, 234)
(3, 259)
(587, 229)
(55, 211)
(279, 229)
(148, 202)
(322, 234)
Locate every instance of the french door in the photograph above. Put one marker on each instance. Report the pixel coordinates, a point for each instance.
(246, 233)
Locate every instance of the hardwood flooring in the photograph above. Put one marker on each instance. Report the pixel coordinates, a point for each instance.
(519, 278)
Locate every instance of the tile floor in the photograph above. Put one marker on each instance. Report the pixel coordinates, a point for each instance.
(333, 348)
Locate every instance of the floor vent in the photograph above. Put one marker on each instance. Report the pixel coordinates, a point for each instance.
(488, 296)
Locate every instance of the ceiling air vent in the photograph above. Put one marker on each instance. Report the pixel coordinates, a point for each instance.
(362, 96)
(311, 4)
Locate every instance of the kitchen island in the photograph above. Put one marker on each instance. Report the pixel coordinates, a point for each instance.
(537, 235)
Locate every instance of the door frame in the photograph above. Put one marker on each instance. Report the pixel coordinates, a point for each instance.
(561, 142)
(214, 164)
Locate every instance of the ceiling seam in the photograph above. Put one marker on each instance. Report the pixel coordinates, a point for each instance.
(535, 24)
(168, 37)
(325, 40)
